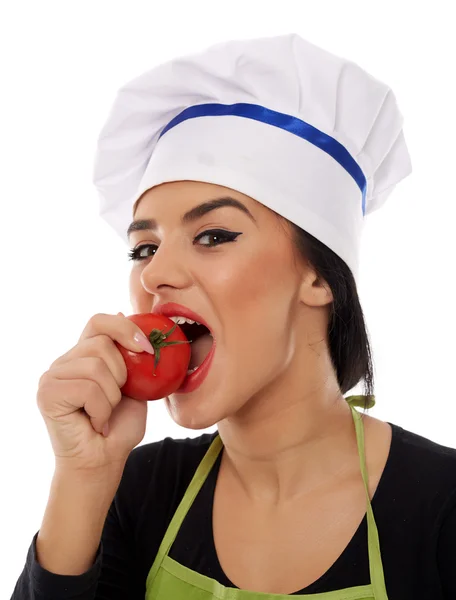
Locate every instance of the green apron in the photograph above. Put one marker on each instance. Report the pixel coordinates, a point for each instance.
(169, 580)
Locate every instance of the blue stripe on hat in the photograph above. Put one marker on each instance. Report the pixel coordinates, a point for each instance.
(282, 121)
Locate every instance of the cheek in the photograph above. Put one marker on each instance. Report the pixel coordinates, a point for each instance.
(260, 280)
(255, 300)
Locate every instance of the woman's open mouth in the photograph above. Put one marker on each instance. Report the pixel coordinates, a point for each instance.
(202, 351)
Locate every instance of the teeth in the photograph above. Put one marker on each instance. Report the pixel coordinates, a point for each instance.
(181, 320)
(190, 371)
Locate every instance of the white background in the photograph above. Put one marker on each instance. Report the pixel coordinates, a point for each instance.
(61, 65)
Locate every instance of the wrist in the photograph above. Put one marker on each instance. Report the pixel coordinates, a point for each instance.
(104, 478)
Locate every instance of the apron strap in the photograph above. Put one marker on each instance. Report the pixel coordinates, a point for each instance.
(375, 561)
(195, 485)
(361, 401)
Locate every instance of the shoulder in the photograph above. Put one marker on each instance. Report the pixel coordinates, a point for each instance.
(424, 456)
(425, 470)
(169, 455)
(415, 507)
(426, 460)
(428, 469)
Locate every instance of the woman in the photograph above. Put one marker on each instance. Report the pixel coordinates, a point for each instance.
(248, 170)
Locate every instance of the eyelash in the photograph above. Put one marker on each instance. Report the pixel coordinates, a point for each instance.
(227, 236)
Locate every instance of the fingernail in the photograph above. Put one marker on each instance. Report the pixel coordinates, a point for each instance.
(142, 341)
(106, 430)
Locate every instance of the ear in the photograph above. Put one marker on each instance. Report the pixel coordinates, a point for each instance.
(314, 291)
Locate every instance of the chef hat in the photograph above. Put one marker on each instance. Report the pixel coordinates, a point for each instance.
(306, 133)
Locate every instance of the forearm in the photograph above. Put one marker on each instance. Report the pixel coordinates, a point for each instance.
(73, 521)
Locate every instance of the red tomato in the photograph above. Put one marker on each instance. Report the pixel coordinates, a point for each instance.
(151, 377)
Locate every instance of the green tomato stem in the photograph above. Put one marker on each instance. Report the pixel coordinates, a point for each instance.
(158, 340)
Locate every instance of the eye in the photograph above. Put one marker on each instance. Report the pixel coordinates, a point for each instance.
(135, 253)
(219, 235)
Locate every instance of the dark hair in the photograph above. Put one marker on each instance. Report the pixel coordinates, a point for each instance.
(348, 337)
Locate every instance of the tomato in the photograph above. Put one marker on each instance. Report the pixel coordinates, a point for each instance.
(151, 377)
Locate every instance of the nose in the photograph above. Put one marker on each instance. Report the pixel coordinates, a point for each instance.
(166, 268)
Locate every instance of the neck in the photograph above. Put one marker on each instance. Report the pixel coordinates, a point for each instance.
(289, 441)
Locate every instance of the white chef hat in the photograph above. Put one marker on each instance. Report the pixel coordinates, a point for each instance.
(306, 133)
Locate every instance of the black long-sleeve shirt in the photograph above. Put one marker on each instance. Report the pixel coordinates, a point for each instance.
(414, 508)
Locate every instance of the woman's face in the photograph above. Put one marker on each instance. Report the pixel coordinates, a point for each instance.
(248, 290)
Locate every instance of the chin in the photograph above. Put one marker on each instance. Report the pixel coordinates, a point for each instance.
(184, 414)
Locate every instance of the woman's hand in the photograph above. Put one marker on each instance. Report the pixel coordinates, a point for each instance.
(80, 394)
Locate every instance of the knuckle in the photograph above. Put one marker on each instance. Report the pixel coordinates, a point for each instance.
(123, 376)
(96, 346)
(98, 406)
(95, 319)
(104, 343)
(45, 394)
(93, 325)
(41, 397)
(121, 369)
(103, 347)
(116, 385)
(43, 379)
(57, 361)
(44, 391)
(91, 389)
(96, 366)
(97, 399)
(117, 396)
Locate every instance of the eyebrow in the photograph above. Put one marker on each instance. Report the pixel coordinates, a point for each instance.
(192, 215)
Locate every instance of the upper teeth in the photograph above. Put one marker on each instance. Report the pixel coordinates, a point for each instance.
(180, 320)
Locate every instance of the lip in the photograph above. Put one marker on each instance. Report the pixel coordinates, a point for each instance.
(171, 309)
(193, 381)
